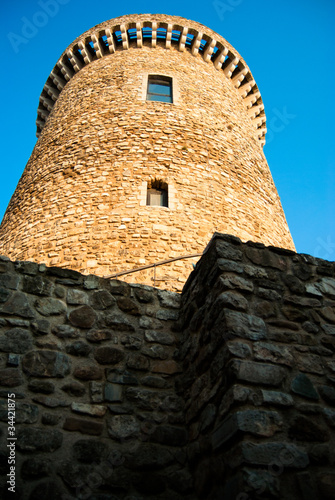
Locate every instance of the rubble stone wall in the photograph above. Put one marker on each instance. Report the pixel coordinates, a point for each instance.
(126, 391)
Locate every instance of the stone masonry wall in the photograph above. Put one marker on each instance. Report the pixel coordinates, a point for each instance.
(124, 391)
(81, 201)
(258, 378)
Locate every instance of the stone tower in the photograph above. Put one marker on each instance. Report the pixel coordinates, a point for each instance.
(151, 130)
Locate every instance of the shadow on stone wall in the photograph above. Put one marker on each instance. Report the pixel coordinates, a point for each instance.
(126, 391)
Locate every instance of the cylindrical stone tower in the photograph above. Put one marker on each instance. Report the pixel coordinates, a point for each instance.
(151, 130)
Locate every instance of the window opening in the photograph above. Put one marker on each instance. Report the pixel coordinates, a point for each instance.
(159, 88)
(157, 193)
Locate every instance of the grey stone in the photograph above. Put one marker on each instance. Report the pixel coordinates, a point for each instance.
(9, 280)
(76, 297)
(66, 332)
(258, 373)
(113, 393)
(235, 282)
(83, 317)
(310, 363)
(4, 295)
(137, 362)
(144, 295)
(277, 398)
(41, 327)
(119, 323)
(51, 402)
(156, 352)
(16, 340)
(32, 439)
(207, 417)
(266, 351)
(122, 427)
(303, 386)
(91, 282)
(121, 377)
(169, 299)
(269, 294)
(17, 304)
(239, 349)
(88, 409)
(96, 392)
(46, 363)
(41, 386)
(329, 329)
(13, 359)
(107, 355)
(244, 325)
(152, 381)
(102, 300)
(167, 314)
(79, 348)
(27, 268)
(131, 342)
(164, 338)
(327, 286)
(227, 251)
(229, 266)
(74, 389)
(49, 306)
(37, 285)
(150, 323)
(145, 399)
(25, 413)
(232, 300)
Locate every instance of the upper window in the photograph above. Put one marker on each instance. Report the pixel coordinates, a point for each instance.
(159, 88)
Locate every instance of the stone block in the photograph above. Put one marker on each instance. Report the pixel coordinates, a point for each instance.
(303, 386)
(119, 323)
(268, 454)
(102, 300)
(257, 373)
(266, 351)
(90, 427)
(16, 340)
(113, 393)
(78, 348)
(76, 297)
(17, 304)
(89, 451)
(243, 325)
(10, 377)
(88, 372)
(88, 409)
(49, 306)
(83, 317)
(36, 285)
(277, 398)
(161, 337)
(46, 363)
(74, 389)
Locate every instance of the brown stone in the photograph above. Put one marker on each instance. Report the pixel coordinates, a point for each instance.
(169, 367)
(83, 316)
(90, 427)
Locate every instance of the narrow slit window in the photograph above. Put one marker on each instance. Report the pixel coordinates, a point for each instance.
(159, 88)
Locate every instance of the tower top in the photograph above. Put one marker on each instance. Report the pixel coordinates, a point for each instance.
(151, 30)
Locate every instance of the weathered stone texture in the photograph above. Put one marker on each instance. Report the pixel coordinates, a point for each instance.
(111, 141)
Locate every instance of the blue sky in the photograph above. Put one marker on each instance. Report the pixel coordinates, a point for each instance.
(289, 46)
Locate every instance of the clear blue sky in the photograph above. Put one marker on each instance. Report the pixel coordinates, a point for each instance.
(289, 46)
